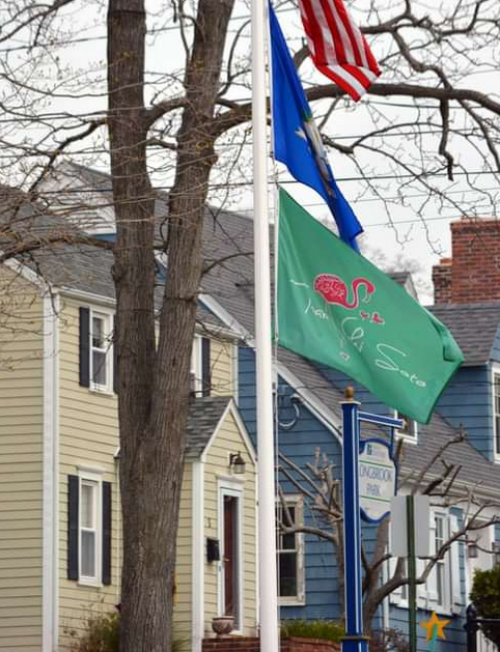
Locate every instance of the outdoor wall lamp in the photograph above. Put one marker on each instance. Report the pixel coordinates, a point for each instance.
(472, 548)
(495, 548)
(237, 463)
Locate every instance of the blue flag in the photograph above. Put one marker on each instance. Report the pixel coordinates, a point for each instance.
(297, 142)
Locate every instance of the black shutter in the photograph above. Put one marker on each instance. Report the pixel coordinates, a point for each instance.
(84, 347)
(115, 355)
(206, 380)
(73, 507)
(106, 532)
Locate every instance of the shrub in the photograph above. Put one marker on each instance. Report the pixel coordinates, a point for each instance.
(388, 640)
(327, 630)
(102, 634)
(485, 595)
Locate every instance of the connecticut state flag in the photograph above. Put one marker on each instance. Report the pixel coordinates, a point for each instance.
(336, 308)
(297, 141)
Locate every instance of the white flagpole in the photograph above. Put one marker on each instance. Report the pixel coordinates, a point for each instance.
(268, 600)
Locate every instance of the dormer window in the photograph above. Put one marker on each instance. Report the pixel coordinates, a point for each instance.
(496, 413)
(200, 367)
(409, 429)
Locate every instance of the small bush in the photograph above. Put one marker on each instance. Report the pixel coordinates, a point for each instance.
(326, 630)
(485, 595)
(102, 634)
(388, 640)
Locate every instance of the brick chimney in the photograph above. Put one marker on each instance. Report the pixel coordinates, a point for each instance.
(472, 275)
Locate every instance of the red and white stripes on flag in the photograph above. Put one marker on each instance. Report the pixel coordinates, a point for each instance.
(338, 48)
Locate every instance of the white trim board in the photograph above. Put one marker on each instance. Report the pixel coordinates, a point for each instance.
(50, 500)
(198, 556)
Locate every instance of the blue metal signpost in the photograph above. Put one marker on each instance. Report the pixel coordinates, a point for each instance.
(354, 640)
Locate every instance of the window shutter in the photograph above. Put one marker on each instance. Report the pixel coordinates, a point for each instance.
(115, 355)
(456, 553)
(73, 508)
(84, 347)
(106, 532)
(206, 380)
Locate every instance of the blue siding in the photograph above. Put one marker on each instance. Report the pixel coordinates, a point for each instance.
(299, 444)
(467, 400)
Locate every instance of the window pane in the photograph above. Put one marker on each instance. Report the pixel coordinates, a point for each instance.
(88, 506)
(98, 335)
(288, 542)
(88, 554)
(99, 367)
(288, 574)
(440, 583)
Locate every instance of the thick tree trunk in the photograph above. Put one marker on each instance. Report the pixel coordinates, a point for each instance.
(153, 384)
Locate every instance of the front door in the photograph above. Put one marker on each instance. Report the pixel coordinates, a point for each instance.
(230, 558)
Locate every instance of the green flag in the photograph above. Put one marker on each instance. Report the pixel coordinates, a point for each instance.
(338, 309)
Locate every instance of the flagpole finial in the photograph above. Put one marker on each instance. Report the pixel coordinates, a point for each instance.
(349, 393)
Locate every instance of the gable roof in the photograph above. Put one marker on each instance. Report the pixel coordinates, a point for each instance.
(205, 414)
(474, 326)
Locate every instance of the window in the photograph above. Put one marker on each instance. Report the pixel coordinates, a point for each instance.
(440, 581)
(496, 412)
(290, 554)
(97, 351)
(89, 533)
(100, 343)
(89, 529)
(409, 429)
(200, 367)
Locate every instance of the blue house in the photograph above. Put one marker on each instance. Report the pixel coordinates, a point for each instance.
(308, 419)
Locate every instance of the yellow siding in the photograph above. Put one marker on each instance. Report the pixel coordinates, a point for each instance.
(184, 563)
(21, 464)
(222, 367)
(88, 437)
(216, 469)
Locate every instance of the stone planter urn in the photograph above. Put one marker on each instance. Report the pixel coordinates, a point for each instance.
(223, 625)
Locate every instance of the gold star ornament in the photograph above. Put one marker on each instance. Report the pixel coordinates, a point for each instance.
(434, 627)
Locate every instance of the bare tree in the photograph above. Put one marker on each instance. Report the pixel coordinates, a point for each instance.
(319, 486)
(188, 128)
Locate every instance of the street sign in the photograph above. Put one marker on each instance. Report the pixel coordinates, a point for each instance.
(377, 479)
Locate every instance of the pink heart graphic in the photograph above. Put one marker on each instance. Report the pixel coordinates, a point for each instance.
(377, 319)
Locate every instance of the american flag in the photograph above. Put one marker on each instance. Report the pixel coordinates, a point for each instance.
(338, 48)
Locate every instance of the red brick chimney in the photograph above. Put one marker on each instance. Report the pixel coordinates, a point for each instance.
(472, 275)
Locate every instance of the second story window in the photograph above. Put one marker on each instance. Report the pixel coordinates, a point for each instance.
(496, 412)
(97, 352)
(100, 344)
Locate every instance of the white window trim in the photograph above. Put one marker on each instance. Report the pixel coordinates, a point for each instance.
(95, 477)
(235, 489)
(446, 607)
(196, 371)
(300, 599)
(403, 435)
(108, 323)
(495, 371)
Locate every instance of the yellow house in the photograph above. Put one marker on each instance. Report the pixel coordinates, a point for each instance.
(60, 525)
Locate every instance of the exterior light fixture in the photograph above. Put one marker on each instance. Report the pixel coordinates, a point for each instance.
(472, 549)
(495, 548)
(237, 463)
